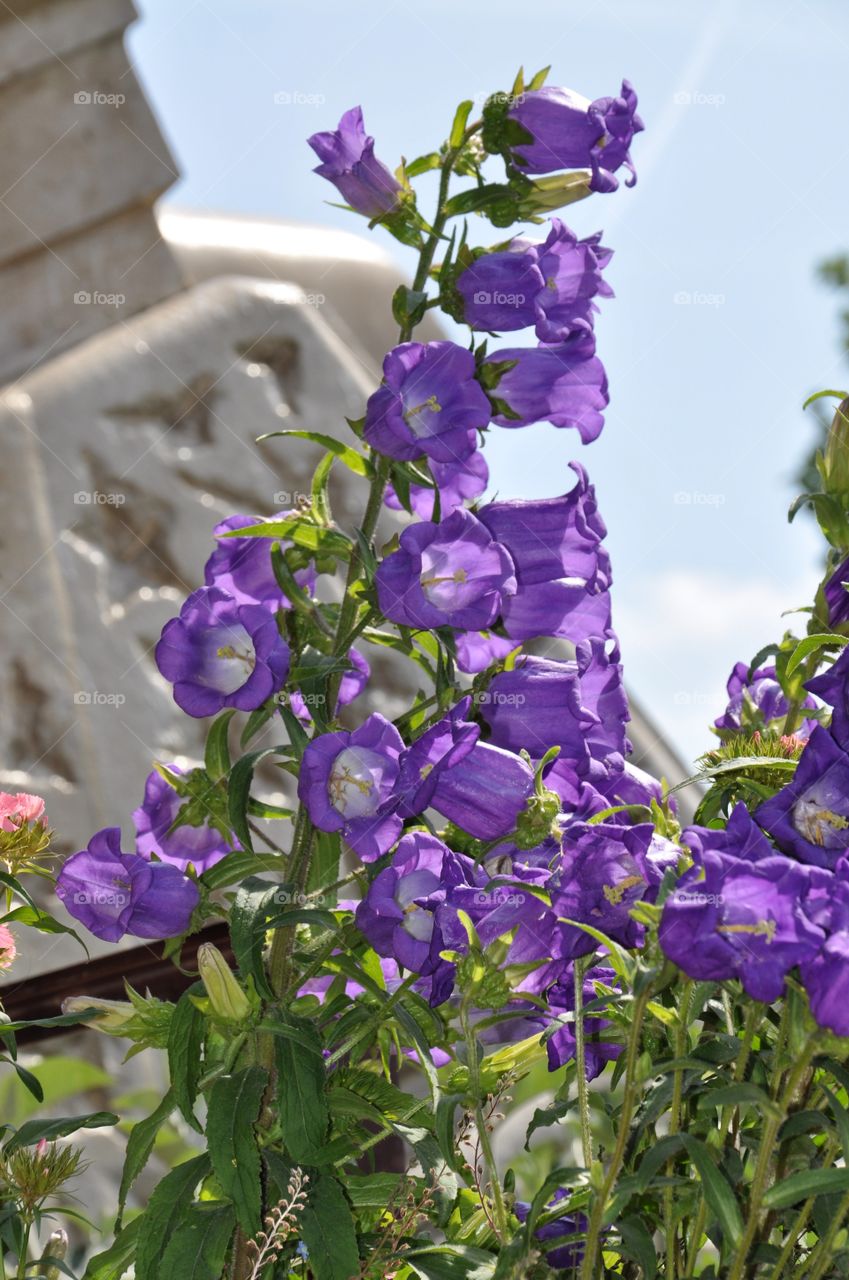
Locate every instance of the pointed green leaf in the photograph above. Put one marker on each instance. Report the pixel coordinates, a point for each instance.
(234, 1105)
(301, 1081)
(161, 1217)
(185, 1045)
(139, 1146)
(199, 1245)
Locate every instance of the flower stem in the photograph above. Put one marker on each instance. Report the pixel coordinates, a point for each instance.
(679, 1050)
(821, 1256)
(629, 1098)
(501, 1227)
(580, 968)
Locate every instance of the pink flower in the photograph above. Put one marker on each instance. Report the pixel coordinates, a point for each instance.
(8, 950)
(16, 810)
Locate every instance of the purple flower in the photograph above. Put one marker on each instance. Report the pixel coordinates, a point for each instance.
(428, 403)
(242, 566)
(564, 1256)
(450, 574)
(762, 694)
(730, 917)
(348, 782)
(440, 747)
(826, 980)
(569, 132)
(536, 706)
(741, 838)
(407, 912)
(352, 685)
(560, 1045)
(810, 816)
(603, 693)
(562, 570)
(201, 846)
(833, 687)
(219, 654)
(550, 284)
(605, 873)
(837, 595)
(348, 161)
(114, 893)
(477, 650)
(457, 482)
(485, 792)
(564, 384)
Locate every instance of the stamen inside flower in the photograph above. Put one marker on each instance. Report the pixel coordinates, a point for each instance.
(614, 893)
(761, 929)
(353, 782)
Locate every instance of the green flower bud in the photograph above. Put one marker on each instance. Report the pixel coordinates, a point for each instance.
(227, 998)
(834, 467)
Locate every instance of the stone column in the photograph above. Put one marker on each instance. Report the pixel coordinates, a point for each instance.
(82, 160)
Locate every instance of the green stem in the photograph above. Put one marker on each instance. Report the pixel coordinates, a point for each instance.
(766, 1151)
(580, 968)
(629, 1098)
(821, 1256)
(501, 1225)
(26, 1229)
(679, 1050)
(779, 1271)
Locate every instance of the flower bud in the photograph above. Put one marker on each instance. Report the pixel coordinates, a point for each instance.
(834, 470)
(112, 1014)
(57, 1247)
(227, 998)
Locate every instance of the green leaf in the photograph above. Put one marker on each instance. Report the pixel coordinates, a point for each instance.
(237, 866)
(799, 1186)
(372, 1190)
(139, 1146)
(301, 1080)
(33, 1131)
(327, 1229)
(199, 1245)
(216, 759)
(248, 915)
(234, 1105)
(458, 128)
(162, 1215)
(737, 765)
(818, 395)
(718, 1191)
(312, 537)
(353, 461)
(638, 1244)
(115, 1262)
(239, 789)
(451, 1262)
(423, 164)
(185, 1045)
(809, 645)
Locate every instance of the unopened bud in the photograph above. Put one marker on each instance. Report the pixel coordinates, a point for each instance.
(57, 1247)
(834, 471)
(227, 998)
(112, 1014)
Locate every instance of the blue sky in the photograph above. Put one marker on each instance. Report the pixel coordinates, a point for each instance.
(719, 330)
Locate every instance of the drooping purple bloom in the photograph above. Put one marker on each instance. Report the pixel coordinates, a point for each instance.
(604, 874)
(562, 570)
(219, 653)
(428, 403)
(564, 384)
(348, 161)
(837, 595)
(810, 816)
(201, 846)
(550, 284)
(485, 792)
(832, 686)
(477, 650)
(114, 893)
(536, 706)
(242, 566)
(741, 838)
(762, 694)
(826, 980)
(440, 747)
(457, 483)
(451, 574)
(733, 918)
(563, 1256)
(569, 132)
(603, 693)
(560, 1045)
(407, 913)
(348, 782)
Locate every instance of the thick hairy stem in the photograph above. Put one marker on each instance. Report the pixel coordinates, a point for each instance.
(499, 1207)
(679, 1050)
(629, 1099)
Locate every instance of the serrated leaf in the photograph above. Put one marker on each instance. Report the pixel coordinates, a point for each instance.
(114, 1263)
(234, 1105)
(161, 1217)
(301, 1081)
(32, 1131)
(185, 1043)
(248, 915)
(199, 1246)
(139, 1146)
(327, 1229)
